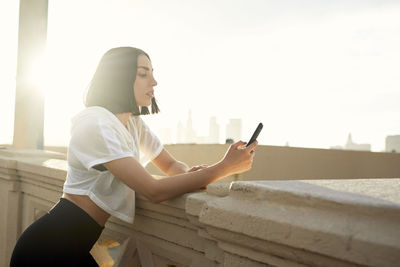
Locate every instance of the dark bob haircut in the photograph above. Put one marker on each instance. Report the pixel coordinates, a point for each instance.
(112, 84)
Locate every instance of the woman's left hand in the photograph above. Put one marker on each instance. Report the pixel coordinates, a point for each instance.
(198, 167)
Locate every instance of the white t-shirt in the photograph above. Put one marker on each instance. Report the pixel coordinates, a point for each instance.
(98, 136)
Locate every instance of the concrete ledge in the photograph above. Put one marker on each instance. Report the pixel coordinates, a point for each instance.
(296, 163)
(354, 228)
(30, 153)
(253, 223)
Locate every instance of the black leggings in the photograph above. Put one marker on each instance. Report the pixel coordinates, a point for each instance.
(62, 237)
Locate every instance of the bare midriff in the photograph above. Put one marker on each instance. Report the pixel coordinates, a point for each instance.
(85, 203)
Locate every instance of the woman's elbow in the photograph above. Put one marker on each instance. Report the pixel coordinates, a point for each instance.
(154, 194)
(155, 200)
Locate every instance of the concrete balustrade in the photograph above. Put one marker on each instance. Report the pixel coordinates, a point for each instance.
(240, 223)
(292, 163)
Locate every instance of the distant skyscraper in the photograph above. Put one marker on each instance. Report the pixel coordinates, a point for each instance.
(350, 145)
(190, 134)
(234, 129)
(393, 143)
(213, 131)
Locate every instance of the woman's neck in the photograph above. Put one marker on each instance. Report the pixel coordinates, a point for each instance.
(123, 117)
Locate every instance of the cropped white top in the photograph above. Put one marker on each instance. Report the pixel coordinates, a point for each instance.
(98, 136)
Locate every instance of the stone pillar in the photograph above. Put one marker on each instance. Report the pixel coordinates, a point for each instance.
(29, 99)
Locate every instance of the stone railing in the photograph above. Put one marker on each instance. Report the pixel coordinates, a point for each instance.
(291, 163)
(242, 223)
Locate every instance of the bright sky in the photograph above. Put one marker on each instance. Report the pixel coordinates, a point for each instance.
(312, 71)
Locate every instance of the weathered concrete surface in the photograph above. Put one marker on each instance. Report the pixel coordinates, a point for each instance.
(345, 227)
(10, 152)
(385, 189)
(259, 223)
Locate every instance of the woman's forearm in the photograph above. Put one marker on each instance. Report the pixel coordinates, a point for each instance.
(174, 186)
(177, 167)
(237, 159)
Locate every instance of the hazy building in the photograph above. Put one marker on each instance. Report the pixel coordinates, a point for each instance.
(190, 134)
(187, 134)
(350, 145)
(229, 141)
(234, 129)
(213, 131)
(392, 143)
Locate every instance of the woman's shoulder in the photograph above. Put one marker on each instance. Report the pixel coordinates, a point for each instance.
(93, 111)
(92, 116)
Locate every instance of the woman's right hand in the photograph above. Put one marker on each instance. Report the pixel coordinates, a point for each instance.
(239, 158)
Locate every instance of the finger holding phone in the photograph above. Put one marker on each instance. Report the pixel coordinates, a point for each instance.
(239, 156)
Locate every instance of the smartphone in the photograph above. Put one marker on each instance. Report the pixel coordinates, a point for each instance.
(255, 134)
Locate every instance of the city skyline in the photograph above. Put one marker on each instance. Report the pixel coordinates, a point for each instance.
(189, 134)
(311, 72)
(186, 133)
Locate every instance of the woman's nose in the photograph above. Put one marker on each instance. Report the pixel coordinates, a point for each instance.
(154, 82)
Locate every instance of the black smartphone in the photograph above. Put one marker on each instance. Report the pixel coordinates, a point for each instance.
(255, 134)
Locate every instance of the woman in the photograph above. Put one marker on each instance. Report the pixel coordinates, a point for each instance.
(109, 146)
